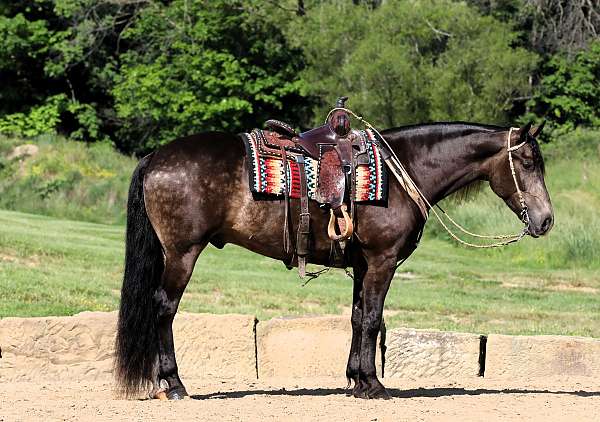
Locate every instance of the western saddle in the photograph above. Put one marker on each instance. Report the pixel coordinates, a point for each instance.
(336, 147)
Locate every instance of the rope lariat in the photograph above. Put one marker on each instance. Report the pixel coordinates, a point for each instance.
(406, 181)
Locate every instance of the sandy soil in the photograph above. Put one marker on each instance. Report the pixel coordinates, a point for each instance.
(311, 399)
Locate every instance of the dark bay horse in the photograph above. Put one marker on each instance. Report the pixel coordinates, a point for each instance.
(194, 191)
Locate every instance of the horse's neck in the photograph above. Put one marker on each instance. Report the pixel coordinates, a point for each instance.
(444, 166)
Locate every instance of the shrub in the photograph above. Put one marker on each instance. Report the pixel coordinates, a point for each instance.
(66, 179)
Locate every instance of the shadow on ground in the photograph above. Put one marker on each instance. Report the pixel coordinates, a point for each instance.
(394, 392)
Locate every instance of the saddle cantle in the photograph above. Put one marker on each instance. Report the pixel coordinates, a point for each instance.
(331, 164)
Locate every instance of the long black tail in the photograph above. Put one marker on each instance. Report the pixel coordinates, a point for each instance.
(136, 347)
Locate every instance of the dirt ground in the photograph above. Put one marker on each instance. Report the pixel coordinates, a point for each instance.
(311, 400)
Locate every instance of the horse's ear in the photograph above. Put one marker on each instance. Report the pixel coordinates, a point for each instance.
(535, 131)
(524, 131)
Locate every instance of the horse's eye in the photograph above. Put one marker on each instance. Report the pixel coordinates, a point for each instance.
(528, 164)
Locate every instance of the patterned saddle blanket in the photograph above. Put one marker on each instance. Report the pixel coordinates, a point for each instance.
(267, 171)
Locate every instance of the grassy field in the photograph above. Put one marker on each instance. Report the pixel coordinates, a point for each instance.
(65, 179)
(59, 267)
(52, 266)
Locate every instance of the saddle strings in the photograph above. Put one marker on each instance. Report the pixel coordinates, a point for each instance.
(504, 239)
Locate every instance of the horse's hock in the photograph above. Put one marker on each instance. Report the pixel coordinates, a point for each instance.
(236, 346)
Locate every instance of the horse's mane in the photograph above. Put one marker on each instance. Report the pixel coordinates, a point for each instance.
(446, 130)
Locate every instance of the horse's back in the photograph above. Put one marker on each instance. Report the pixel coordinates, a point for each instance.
(207, 148)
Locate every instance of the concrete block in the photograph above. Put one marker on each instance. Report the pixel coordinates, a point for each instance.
(57, 348)
(305, 347)
(82, 346)
(430, 354)
(514, 357)
(215, 345)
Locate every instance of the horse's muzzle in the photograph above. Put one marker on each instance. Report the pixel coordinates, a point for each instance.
(537, 230)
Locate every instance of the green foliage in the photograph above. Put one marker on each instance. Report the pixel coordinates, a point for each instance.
(66, 179)
(46, 119)
(24, 44)
(51, 66)
(39, 120)
(569, 93)
(140, 73)
(409, 62)
(143, 73)
(208, 65)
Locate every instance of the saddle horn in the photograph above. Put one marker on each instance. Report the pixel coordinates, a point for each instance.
(339, 121)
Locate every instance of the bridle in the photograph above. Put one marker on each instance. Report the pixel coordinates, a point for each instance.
(421, 200)
(509, 149)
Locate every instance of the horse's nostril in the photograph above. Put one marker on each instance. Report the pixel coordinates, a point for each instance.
(546, 224)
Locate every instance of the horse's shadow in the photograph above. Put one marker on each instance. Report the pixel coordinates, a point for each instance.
(394, 392)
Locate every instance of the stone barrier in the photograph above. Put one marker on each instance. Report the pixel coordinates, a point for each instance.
(305, 347)
(513, 357)
(220, 346)
(235, 346)
(82, 346)
(57, 348)
(429, 353)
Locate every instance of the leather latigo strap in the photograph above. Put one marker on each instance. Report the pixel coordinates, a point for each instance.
(287, 245)
(303, 237)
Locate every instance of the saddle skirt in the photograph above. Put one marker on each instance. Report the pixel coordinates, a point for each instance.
(272, 155)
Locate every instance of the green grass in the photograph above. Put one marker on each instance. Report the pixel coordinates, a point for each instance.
(66, 179)
(50, 266)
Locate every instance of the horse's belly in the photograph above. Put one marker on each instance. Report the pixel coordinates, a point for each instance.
(259, 226)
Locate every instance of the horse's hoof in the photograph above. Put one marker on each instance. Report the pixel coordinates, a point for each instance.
(177, 394)
(359, 391)
(378, 392)
(349, 389)
(174, 395)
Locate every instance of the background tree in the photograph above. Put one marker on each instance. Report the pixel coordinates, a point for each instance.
(138, 73)
(141, 72)
(203, 65)
(564, 25)
(569, 93)
(409, 62)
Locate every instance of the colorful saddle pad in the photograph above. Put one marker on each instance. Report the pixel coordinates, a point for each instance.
(267, 178)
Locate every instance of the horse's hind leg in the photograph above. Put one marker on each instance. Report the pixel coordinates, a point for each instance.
(177, 272)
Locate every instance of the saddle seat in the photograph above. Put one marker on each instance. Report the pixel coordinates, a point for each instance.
(310, 142)
(330, 144)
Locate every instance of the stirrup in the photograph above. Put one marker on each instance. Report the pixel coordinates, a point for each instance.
(348, 230)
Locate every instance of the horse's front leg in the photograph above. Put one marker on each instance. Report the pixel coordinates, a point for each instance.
(353, 366)
(376, 283)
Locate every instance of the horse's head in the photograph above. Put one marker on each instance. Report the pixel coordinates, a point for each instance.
(522, 185)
